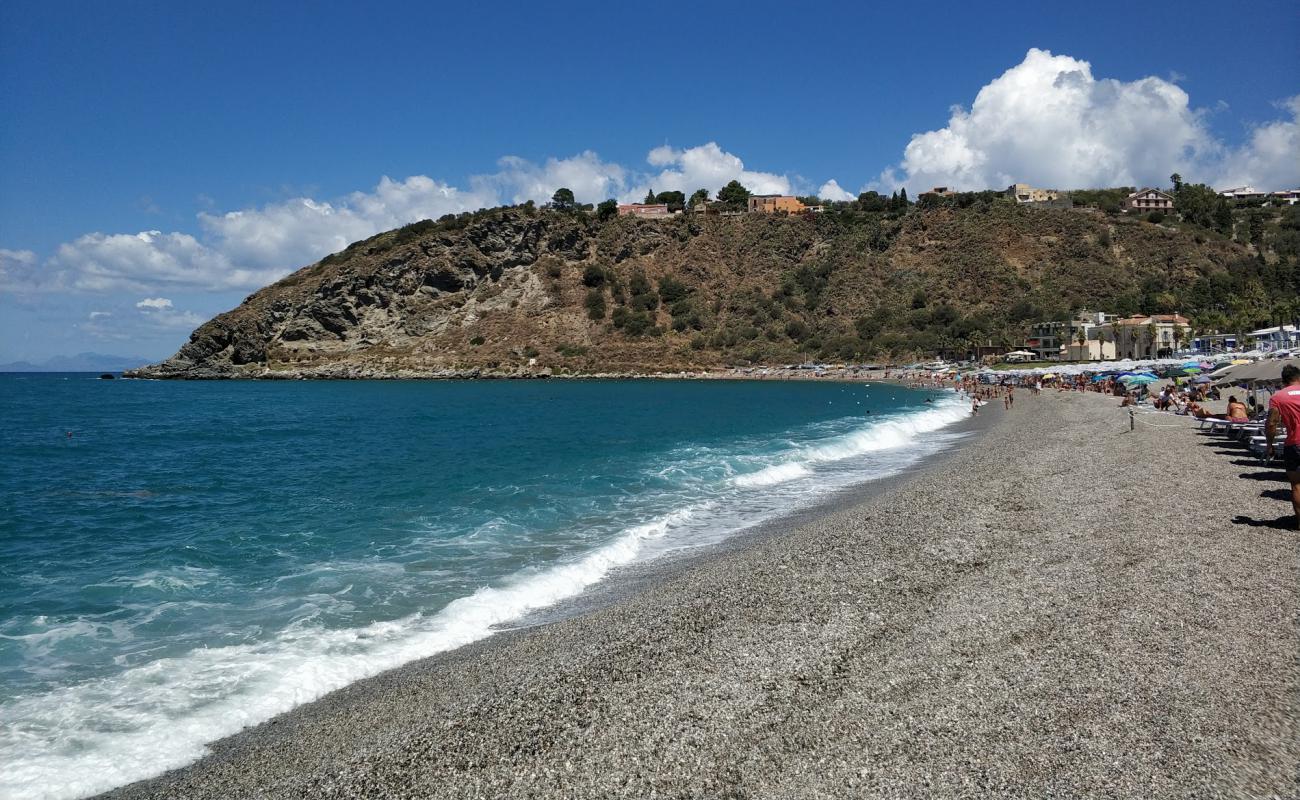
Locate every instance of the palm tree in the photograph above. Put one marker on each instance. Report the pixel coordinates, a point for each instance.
(1152, 332)
(1082, 338)
(1178, 333)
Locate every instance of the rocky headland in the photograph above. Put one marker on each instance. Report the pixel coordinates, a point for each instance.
(532, 292)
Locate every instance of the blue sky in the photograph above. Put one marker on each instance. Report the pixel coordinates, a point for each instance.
(135, 117)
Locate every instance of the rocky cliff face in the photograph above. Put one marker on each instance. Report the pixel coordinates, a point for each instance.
(521, 291)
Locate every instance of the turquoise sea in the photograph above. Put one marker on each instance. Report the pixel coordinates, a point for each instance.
(181, 559)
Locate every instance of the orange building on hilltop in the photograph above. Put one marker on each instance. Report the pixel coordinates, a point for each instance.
(772, 203)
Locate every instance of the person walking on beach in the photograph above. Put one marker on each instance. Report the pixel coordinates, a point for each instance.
(1284, 409)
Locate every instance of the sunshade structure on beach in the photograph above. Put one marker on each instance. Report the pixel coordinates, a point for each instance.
(1137, 380)
(1253, 372)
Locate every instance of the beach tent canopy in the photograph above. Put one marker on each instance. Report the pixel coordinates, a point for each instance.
(1022, 353)
(1266, 371)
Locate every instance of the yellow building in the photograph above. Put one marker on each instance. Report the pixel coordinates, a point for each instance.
(772, 203)
(1147, 335)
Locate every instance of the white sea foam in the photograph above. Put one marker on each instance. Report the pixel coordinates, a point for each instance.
(770, 476)
(888, 433)
(93, 736)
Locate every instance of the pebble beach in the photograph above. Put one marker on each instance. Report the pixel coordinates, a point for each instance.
(1061, 607)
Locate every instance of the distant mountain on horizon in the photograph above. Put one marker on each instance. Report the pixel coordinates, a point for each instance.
(81, 362)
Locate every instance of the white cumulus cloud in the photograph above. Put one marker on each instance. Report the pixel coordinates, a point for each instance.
(159, 312)
(147, 261)
(249, 248)
(243, 249)
(707, 166)
(296, 232)
(591, 179)
(1048, 121)
(831, 190)
(1270, 159)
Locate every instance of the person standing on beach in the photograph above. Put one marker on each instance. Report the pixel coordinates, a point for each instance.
(1284, 409)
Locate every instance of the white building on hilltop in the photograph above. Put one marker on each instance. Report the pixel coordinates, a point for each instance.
(1243, 193)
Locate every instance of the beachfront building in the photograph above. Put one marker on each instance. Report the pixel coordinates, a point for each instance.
(1024, 193)
(1214, 343)
(651, 210)
(774, 203)
(1285, 197)
(1089, 350)
(1045, 339)
(1147, 335)
(1060, 339)
(1147, 200)
(1280, 337)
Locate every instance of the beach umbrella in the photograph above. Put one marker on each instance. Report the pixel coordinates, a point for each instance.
(1257, 371)
(1139, 379)
(1203, 379)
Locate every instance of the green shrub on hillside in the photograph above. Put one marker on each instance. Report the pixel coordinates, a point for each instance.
(672, 290)
(595, 304)
(643, 297)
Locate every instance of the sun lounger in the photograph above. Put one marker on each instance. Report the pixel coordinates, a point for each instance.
(1225, 426)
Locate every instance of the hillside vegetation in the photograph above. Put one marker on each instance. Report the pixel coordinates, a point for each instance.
(524, 289)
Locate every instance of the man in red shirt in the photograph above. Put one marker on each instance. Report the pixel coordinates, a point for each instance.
(1284, 409)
